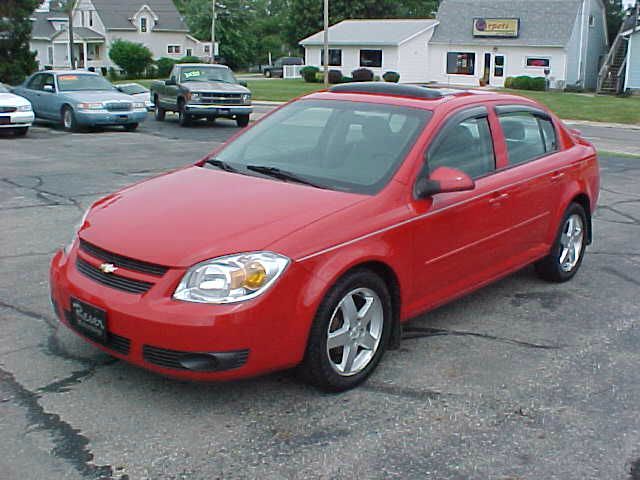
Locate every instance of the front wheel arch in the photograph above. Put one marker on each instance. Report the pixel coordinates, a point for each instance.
(584, 201)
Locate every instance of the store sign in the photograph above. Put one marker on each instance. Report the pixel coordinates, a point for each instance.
(496, 27)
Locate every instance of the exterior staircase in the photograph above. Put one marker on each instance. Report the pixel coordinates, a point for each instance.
(612, 74)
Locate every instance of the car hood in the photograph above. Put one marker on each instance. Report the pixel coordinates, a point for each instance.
(215, 87)
(194, 214)
(98, 96)
(11, 100)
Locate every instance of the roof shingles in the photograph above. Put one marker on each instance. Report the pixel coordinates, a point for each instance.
(370, 32)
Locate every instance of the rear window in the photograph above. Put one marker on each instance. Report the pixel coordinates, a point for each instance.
(527, 136)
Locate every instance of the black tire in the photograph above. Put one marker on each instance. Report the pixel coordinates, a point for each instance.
(70, 123)
(184, 119)
(317, 367)
(159, 112)
(550, 267)
(267, 73)
(20, 131)
(242, 120)
(131, 127)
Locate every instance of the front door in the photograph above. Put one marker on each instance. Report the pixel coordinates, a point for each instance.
(494, 69)
(459, 236)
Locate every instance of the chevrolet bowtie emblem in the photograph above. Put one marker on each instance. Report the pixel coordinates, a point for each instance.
(108, 268)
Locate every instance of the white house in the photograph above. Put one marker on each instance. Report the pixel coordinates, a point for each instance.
(632, 35)
(496, 39)
(474, 40)
(379, 45)
(97, 23)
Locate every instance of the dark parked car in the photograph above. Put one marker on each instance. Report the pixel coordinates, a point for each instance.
(277, 69)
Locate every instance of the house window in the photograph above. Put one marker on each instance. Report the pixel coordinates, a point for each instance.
(50, 54)
(90, 18)
(538, 62)
(592, 21)
(189, 52)
(143, 24)
(207, 49)
(370, 58)
(460, 63)
(173, 49)
(335, 57)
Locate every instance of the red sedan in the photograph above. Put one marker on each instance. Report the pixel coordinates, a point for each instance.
(311, 237)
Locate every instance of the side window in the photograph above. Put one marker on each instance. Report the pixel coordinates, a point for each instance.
(174, 73)
(36, 82)
(48, 80)
(467, 146)
(525, 136)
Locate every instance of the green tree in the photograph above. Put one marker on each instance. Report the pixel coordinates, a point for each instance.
(615, 17)
(17, 61)
(133, 58)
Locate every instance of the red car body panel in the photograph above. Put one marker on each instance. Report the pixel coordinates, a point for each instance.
(435, 249)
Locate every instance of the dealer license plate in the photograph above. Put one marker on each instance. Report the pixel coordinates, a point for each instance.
(89, 320)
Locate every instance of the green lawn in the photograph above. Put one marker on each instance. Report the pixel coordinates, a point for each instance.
(278, 90)
(595, 108)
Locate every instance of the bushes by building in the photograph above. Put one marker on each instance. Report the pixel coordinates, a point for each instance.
(309, 73)
(393, 77)
(362, 75)
(525, 82)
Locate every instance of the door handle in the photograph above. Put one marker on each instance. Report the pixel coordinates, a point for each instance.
(557, 176)
(498, 199)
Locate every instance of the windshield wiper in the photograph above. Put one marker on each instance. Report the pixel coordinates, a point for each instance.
(282, 175)
(222, 165)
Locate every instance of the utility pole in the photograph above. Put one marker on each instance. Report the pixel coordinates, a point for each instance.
(326, 43)
(213, 31)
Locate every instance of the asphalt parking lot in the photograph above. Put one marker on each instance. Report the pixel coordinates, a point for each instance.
(520, 380)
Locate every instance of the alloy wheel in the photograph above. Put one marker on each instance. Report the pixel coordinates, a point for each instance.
(571, 242)
(355, 331)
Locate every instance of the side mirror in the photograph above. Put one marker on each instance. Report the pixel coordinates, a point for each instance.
(171, 81)
(444, 180)
(242, 82)
(48, 88)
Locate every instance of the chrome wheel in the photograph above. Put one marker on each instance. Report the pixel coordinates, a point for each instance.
(355, 331)
(571, 241)
(67, 119)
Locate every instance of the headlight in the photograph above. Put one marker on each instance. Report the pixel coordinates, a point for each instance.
(195, 96)
(139, 105)
(246, 98)
(230, 279)
(24, 108)
(76, 228)
(90, 106)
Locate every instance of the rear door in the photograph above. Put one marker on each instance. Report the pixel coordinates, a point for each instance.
(460, 238)
(536, 171)
(32, 91)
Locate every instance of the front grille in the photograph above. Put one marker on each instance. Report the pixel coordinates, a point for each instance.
(118, 106)
(112, 280)
(114, 342)
(7, 109)
(122, 261)
(222, 98)
(172, 358)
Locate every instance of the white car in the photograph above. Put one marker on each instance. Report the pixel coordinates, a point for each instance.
(15, 112)
(138, 92)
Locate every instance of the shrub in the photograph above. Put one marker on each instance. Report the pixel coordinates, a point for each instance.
(165, 65)
(393, 77)
(335, 76)
(362, 75)
(309, 73)
(133, 58)
(538, 84)
(190, 59)
(508, 83)
(113, 75)
(574, 88)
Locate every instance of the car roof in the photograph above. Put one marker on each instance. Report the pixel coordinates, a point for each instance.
(415, 96)
(69, 72)
(217, 65)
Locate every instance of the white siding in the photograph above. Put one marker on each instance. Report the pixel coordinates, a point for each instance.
(633, 63)
(351, 58)
(515, 63)
(413, 59)
(40, 47)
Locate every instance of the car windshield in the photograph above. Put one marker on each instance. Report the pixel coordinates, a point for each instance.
(79, 82)
(347, 146)
(3, 89)
(206, 74)
(132, 89)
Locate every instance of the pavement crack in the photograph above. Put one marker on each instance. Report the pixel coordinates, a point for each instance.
(621, 275)
(405, 392)
(70, 444)
(42, 193)
(422, 332)
(31, 314)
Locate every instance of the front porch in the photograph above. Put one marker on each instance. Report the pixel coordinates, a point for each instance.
(88, 49)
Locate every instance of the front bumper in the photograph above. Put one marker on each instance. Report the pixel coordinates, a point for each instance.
(218, 110)
(103, 117)
(16, 119)
(190, 340)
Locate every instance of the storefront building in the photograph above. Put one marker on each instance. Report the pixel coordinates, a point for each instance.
(486, 41)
